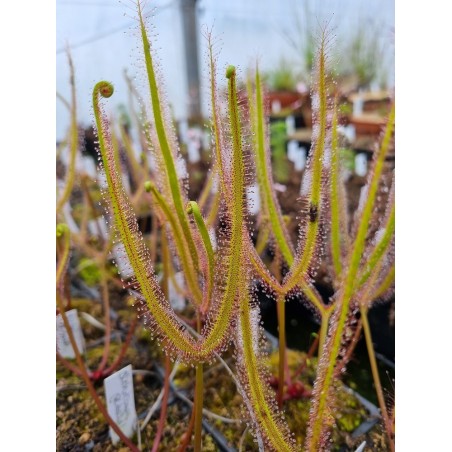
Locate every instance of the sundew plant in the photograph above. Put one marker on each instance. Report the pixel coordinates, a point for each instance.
(210, 241)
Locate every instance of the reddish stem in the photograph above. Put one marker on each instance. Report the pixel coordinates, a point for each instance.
(67, 293)
(187, 436)
(310, 354)
(106, 303)
(74, 369)
(123, 350)
(350, 349)
(286, 369)
(164, 405)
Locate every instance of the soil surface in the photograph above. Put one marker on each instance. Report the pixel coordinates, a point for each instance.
(81, 427)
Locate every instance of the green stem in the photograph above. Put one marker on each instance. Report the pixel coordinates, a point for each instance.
(212, 216)
(281, 305)
(207, 188)
(376, 377)
(199, 394)
(135, 169)
(166, 385)
(335, 199)
(324, 329)
(193, 208)
(386, 283)
(215, 117)
(198, 407)
(265, 180)
(303, 260)
(177, 235)
(275, 432)
(62, 230)
(381, 246)
(262, 238)
(73, 141)
(164, 144)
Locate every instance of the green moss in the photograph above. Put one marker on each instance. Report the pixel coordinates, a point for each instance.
(82, 304)
(89, 271)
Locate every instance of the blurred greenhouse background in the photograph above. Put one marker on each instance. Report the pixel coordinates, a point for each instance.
(101, 33)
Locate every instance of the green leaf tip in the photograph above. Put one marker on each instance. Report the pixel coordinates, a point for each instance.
(189, 207)
(230, 71)
(61, 229)
(105, 89)
(148, 186)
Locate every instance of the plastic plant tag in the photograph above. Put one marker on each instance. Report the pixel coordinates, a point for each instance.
(361, 447)
(358, 105)
(181, 168)
(98, 226)
(183, 130)
(296, 154)
(361, 164)
(253, 199)
(88, 166)
(193, 151)
(280, 187)
(121, 402)
(290, 125)
(63, 343)
(194, 136)
(276, 106)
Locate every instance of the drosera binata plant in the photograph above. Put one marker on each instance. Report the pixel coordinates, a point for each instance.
(220, 282)
(95, 249)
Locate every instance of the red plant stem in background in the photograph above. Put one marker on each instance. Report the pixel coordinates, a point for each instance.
(187, 435)
(199, 396)
(124, 348)
(350, 348)
(310, 354)
(376, 377)
(280, 305)
(106, 303)
(74, 369)
(93, 209)
(164, 405)
(67, 292)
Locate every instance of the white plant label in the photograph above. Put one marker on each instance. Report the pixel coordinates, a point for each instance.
(121, 402)
(253, 199)
(296, 154)
(98, 226)
(361, 164)
(290, 125)
(63, 343)
(194, 137)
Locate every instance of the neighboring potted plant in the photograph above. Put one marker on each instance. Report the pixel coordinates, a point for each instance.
(282, 84)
